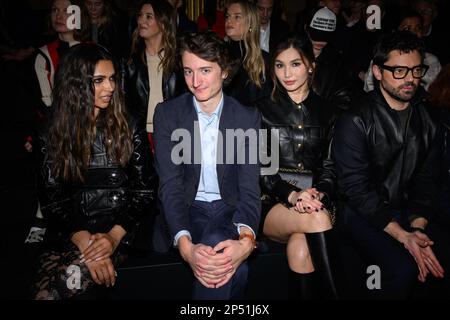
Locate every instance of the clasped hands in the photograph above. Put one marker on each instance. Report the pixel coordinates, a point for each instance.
(97, 257)
(214, 267)
(307, 201)
(100, 246)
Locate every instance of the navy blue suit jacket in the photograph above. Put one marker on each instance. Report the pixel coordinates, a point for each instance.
(178, 183)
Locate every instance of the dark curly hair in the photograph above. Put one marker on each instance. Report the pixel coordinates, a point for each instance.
(73, 125)
(210, 47)
(404, 41)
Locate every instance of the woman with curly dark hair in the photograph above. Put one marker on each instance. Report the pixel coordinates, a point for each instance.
(45, 63)
(94, 177)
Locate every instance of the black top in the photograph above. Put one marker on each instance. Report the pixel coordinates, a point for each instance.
(241, 88)
(381, 170)
(110, 194)
(403, 116)
(304, 136)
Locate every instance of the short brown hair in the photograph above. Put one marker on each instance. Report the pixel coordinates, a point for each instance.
(210, 47)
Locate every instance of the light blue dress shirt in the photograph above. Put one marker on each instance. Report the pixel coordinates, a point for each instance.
(208, 187)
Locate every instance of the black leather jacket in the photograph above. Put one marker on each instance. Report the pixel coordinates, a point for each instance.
(331, 79)
(240, 87)
(137, 88)
(382, 170)
(304, 133)
(109, 195)
(114, 37)
(443, 214)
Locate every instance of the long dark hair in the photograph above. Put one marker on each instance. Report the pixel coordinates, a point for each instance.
(73, 125)
(165, 17)
(304, 49)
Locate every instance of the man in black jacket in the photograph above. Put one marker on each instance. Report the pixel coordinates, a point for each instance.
(386, 151)
(273, 29)
(330, 79)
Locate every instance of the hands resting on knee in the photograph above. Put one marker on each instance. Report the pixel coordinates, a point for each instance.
(307, 201)
(419, 246)
(96, 251)
(214, 267)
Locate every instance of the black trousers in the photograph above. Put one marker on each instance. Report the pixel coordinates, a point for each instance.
(398, 269)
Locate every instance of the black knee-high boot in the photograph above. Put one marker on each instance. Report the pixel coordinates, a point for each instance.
(301, 286)
(323, 251)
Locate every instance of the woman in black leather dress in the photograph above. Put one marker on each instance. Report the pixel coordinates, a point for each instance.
(304, 122)
(94, 177)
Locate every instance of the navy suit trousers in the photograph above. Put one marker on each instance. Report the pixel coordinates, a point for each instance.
(211, 223)
(398, 269)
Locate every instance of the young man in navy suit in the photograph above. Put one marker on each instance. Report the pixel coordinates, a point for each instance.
(206, 150)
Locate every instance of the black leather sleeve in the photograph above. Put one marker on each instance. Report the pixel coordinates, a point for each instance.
(142, 181)
(351, 156)
(273, 185)
(136, 89)
(424, 190)
(341, 95)
(326, 182)
(326, 176)
(55, 198)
